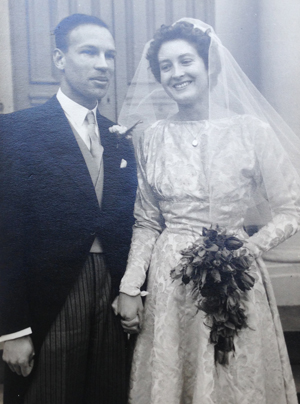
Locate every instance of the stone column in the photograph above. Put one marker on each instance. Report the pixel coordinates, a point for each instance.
(6, 83)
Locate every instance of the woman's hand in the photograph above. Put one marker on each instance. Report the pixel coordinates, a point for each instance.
(131, 310)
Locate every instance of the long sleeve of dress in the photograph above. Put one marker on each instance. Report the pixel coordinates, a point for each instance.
(281, 187)
(148, 226)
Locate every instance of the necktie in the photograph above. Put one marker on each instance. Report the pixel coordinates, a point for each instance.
(95, 146)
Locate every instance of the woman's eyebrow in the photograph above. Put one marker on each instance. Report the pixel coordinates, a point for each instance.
(179, 56)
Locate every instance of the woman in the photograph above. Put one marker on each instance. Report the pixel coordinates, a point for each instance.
(221, 158)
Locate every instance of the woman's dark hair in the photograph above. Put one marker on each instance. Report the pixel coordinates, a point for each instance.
(181, 30)
(65, 26)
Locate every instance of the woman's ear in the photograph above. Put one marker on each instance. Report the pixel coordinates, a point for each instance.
(59, 59)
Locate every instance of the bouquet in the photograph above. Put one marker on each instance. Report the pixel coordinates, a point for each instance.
(218, 265)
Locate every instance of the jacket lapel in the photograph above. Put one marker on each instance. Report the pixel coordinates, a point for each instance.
(110, 162)
(63, 149)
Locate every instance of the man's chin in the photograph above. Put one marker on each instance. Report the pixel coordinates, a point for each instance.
(100, 92)
(94, 96)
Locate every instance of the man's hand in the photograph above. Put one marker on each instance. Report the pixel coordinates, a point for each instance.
(131, 310)
(18, 354)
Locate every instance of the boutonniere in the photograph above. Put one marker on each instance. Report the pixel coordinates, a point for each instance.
(122, 131)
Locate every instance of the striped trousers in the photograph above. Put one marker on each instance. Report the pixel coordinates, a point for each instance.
(82, 360)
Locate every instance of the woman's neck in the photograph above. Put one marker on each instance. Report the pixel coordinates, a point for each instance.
(192, 113)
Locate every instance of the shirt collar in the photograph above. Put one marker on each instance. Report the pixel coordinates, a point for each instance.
(72, 109)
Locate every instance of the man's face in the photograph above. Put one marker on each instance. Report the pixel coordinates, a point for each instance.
(87, 64)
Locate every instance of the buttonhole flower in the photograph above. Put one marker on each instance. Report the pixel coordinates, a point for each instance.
(122, 131)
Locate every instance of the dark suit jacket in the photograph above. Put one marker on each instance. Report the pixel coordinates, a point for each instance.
(50, 216)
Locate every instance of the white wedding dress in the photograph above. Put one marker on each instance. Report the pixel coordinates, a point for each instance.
(181, 189)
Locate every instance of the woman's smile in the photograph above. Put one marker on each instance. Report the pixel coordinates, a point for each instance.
(182, 85)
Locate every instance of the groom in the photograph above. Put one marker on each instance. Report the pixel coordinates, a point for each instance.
(67, 188)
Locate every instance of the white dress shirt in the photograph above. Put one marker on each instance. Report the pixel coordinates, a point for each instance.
(76, 115)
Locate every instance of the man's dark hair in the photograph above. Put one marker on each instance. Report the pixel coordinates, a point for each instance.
(181, 30)
(65, 26)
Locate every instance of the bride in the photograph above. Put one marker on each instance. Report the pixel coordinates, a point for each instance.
(215, 153)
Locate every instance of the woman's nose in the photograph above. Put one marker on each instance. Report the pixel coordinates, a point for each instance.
(177, 71)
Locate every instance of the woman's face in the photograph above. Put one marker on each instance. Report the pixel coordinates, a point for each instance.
(183, 72)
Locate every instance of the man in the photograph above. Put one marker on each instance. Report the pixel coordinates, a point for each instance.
(66, 199)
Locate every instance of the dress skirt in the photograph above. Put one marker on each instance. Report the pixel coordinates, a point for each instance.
(174, 360)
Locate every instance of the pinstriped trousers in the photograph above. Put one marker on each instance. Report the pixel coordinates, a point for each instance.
(82, 360)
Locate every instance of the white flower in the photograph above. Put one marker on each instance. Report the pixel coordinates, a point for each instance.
(118, 129)
(123, 131)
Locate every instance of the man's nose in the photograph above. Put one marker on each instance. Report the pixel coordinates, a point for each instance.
(101, 62)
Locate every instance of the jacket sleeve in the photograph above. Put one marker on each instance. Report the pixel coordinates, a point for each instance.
(14, 312)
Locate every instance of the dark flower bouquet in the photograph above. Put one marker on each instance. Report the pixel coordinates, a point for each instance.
(218, 265)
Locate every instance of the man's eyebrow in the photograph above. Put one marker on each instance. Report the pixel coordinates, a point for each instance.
(87, 46)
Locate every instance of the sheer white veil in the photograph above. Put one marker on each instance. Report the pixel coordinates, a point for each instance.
(231, 93)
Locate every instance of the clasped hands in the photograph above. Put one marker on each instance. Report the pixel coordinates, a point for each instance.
(131, 310)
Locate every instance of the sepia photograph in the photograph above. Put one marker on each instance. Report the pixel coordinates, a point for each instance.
(149, 202)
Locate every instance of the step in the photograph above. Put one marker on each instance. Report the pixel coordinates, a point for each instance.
(290, 318)
(296, 373)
